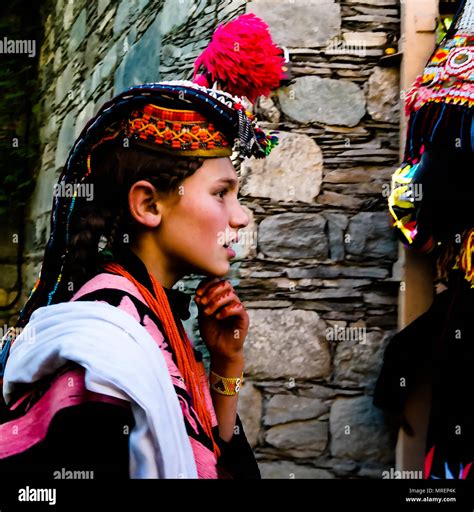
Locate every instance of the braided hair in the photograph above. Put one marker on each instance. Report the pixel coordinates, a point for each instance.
(98, 227)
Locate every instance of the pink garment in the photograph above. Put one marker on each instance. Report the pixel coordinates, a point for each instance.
(67, 389)
(205, 459)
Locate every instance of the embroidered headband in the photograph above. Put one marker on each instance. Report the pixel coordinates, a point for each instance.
(182, 132)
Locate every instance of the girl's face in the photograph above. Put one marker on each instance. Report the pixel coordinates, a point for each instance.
(194, 224)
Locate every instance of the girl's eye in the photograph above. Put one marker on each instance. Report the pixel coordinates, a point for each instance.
(222, 193)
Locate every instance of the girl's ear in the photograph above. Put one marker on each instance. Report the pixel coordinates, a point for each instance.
(144, 204)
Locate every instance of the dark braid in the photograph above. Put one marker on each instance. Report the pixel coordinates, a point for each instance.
(107, 217)
(86, 228)
(113, 240)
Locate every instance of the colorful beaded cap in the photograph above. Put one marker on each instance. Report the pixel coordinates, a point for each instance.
(180, 132)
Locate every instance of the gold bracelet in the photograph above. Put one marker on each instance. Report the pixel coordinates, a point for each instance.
(226, 385)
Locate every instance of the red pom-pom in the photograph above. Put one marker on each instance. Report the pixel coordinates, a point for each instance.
(201, 80)
(243, 58)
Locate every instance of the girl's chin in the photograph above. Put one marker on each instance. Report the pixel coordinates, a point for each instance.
(222, 270)
(218, 270)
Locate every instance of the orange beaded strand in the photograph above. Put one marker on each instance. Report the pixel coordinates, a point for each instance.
(179, 342)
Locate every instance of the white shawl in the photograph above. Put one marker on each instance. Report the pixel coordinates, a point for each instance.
(121, 359)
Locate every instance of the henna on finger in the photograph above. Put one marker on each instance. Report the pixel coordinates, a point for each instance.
(230, 310)
(226, 297)
(214, 291)
(205, 285)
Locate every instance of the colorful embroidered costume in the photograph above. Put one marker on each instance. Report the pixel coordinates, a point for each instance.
(109, 452)
(428, 200)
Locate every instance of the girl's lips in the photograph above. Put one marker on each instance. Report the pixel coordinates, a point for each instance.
(230, 252)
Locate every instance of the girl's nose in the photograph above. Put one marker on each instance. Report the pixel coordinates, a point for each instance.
(240, 218)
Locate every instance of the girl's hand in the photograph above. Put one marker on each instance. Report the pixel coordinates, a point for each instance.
(223, 320)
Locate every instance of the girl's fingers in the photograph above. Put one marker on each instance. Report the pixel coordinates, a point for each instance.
(213, 291)
(234, 309)
(204, 285)
(223, 299)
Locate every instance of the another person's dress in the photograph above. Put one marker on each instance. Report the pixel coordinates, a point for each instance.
(438, 344)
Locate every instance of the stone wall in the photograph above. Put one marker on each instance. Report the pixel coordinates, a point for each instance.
(315, 266)
(320, 283)
(9, 247)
